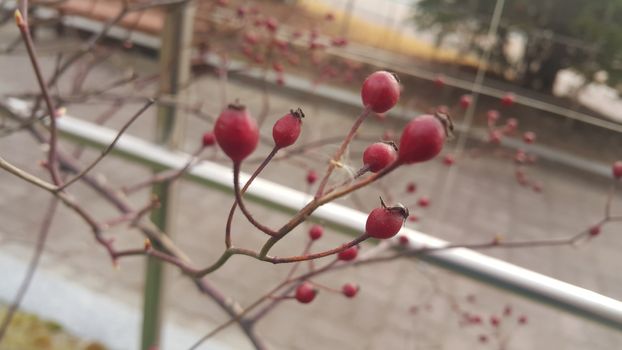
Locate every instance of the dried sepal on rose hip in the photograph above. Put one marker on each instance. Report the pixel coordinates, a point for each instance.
(385, 222)
(381, 91)
(423, 137)
(379, 155)
(236, 132)
(287, 129)
(305, 293)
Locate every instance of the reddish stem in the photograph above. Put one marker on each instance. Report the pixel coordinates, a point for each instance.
(246, 186)
(342, 149)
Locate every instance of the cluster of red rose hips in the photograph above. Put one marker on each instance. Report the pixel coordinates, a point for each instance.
(496, 327)
(237, 134)
(307, 290)
(263, 41)
(496, 132)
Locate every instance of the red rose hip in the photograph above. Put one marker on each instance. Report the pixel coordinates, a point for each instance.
(529, 137)
(208, 139)
(350, 290)
(465, 101)
(385, 222)
(236, 132)
(305, 293)
(424, 202)
(423, 138)
(311, 177)
(348, 254)
(380, 91)
(616, 169)
(378, 155)
(508, 99)
(287, 129)
(316, 232)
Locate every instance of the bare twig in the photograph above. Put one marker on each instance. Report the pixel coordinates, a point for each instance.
(109, 147)
(32, 267)
(22, 24)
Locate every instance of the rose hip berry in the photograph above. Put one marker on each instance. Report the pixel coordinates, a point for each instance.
(492, 116)
(594, 231)
(272, 24)
(510, 126)
(305, 293)
(311, 177)
(378, 155)
(449, 159)
(465, 101)
(287, 129)
(380, 91)
(529, 137)
(278, 67)
(385, 222)
(236, 132)
(348, 254)
(316, 232)
(616, 169)
(350, 290)
(208, 139)
(508, 99)
(423, 137)
(495, 137)
(424, 202)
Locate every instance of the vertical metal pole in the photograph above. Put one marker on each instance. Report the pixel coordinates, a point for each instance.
(174, 71)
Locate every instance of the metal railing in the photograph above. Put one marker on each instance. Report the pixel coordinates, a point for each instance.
(498, 273)
(300, 84)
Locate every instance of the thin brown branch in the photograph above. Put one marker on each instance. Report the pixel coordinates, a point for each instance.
(109, 147)
(246, 186)
(32, 267)
(22, 24)
(240, 202)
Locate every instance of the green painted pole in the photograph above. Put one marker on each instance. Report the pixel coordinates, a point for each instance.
(174, 71)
